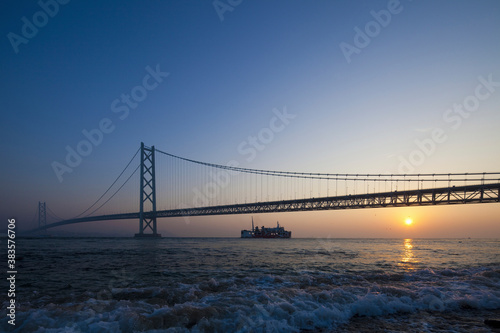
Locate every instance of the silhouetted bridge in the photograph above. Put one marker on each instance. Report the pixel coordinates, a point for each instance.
(487, 191)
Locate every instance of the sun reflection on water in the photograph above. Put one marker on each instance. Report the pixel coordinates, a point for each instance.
(408, 260)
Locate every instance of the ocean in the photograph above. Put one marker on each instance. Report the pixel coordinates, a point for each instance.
(255, 285)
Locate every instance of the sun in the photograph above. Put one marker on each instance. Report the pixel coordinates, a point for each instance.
(408, 221)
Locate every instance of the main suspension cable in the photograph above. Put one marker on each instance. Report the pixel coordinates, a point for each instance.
(111, 197)
(345, 176)
(109, 188)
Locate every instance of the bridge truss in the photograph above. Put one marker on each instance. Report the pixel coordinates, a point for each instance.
(472, 194)
(229, 189)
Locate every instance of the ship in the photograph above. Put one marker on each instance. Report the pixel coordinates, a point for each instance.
(263, 232)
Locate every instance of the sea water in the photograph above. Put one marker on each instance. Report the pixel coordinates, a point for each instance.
(255, 285)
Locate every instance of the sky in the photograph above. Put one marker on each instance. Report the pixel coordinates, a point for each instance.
(364, 85)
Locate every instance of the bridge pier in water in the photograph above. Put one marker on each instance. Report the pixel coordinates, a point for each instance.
(147, 220)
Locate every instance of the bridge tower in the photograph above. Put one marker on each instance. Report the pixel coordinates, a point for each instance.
(147, 219)
(42, 214)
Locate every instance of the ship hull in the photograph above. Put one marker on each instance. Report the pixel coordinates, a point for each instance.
(267, 236)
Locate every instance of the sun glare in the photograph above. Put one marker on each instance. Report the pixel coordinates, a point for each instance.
(408, 221)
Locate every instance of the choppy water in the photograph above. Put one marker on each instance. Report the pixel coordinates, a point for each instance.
(255, 285)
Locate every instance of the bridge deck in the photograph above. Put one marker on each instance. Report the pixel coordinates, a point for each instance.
(441, 196)
(484, 193)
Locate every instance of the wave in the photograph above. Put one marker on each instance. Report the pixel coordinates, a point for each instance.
(306, 301)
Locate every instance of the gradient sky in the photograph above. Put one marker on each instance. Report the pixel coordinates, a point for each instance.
(227, 72)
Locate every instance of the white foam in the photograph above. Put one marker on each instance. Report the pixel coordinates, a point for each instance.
(269, 303)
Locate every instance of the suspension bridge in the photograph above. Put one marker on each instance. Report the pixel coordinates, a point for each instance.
(174, 186)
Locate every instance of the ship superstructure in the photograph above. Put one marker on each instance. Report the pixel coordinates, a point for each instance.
(263, 232)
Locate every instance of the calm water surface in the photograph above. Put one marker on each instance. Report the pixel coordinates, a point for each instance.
(256, 285)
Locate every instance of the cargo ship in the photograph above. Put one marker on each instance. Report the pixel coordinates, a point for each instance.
(263, 232)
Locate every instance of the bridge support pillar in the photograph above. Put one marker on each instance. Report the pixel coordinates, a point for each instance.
(147, 218)
(42, 218)
(42, 214)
